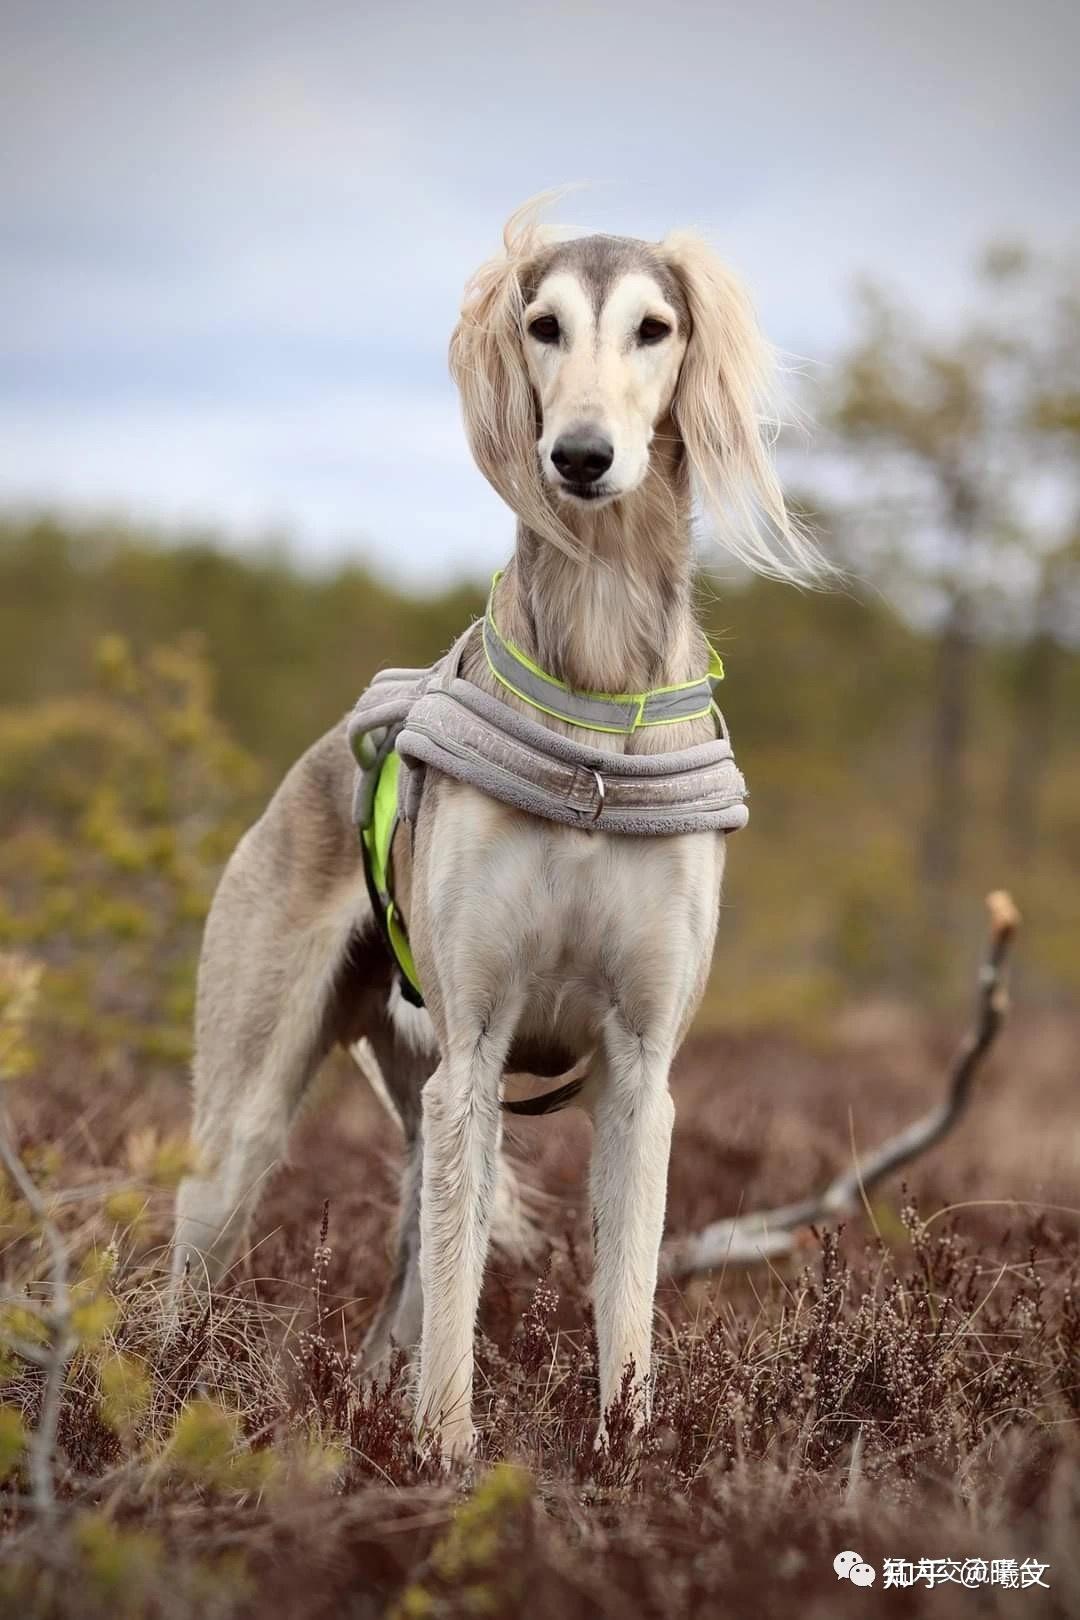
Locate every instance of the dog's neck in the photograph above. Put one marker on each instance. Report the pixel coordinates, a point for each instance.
(619, 617)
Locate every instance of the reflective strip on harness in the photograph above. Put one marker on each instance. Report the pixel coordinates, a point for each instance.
(621, 712)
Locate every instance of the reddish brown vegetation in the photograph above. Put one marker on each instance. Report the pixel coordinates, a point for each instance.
(912, 1392)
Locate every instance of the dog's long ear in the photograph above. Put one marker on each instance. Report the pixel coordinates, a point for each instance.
(487, 362)
(722, 409)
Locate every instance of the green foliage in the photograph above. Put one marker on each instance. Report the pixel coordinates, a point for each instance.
(125, 1393)
(19, 983)
(126, 1208)
(12, 1440)
(91, 1320)
(124, 792)
(305, 1463)
(208, 1448)
(121, 804)
(121, 1566)
(471, 1567)
(289, 650)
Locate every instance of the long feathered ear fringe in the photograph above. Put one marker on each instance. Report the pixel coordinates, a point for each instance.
(722, 408)
(487, 362)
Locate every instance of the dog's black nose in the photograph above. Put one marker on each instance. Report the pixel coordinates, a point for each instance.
(583, 455)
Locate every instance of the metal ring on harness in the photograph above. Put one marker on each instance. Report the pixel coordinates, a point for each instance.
(601, 795)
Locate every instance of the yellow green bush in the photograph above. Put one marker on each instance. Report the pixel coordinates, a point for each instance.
(121, 805)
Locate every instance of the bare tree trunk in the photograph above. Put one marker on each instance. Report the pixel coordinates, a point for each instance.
(1037, 680)
(947, 806)
(945, 829)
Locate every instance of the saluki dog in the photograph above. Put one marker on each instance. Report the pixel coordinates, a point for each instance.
(606, 383)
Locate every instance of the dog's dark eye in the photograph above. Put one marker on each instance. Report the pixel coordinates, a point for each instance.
(652, 330)
(545, 329)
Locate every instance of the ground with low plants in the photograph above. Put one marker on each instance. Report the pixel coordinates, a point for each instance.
(908, 1387)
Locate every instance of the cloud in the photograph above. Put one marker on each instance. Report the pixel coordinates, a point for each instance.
(425, 518)
(234, 237)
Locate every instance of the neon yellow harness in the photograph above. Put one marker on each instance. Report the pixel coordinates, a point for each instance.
(377, 838)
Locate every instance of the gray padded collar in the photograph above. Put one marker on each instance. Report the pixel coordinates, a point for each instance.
(445, 723)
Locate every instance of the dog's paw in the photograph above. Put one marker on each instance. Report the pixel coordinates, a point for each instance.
(451, 1448)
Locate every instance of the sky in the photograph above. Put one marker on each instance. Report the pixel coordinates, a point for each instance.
(233, 237)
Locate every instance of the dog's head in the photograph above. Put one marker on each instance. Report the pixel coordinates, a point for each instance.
(582, 363)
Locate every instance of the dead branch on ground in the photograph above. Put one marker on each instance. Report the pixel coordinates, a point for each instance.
(774, 1233)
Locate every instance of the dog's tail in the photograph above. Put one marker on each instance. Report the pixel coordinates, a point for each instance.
(548, 1102)
(523, 1214)
(572, 1088)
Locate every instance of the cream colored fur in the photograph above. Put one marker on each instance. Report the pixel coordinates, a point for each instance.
(527, 935)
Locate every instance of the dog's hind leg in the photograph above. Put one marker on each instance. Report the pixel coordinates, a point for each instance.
(251, 1070)
(402, 1064)
(399, 1317)
(289, 930)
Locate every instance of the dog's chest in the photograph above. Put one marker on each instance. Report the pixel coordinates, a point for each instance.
(569, 920)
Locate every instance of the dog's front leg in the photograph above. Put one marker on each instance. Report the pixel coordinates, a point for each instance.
(461, 1143)
(633, 1118)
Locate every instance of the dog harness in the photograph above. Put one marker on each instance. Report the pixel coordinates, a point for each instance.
(410, 720)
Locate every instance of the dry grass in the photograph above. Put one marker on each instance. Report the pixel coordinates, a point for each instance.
(912, 1391)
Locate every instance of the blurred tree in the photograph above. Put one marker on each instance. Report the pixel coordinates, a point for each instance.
(961, 476)
(1050, 356)
(291, 649)
(828, 697)
(1037, 694)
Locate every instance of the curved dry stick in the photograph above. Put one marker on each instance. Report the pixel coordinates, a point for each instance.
(773, 1233)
